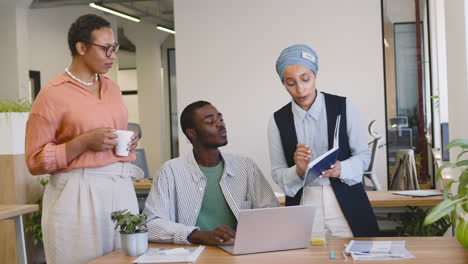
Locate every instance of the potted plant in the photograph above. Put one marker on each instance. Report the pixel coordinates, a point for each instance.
(455, 205)
(13, 117)
(133, 232)
(411, 223)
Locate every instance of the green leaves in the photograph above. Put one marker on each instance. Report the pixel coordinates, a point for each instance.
(461, 143)
(447, 189)
(442, 209)
(129, 223)
(21, 105)
(461, 154)
(446, 165)
(462, 188)
(462, 163)
(456, 205)
(411, 223)
(33, 225)
(36, 231)
(462, 232)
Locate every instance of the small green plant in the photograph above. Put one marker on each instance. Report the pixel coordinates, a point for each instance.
(21, 105)
(411, 224)
(35, 218)
(454, 206)
(129, 223)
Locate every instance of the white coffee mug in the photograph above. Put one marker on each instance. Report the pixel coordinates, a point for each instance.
(124, 137)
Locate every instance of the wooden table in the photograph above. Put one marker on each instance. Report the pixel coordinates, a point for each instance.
(387, 199)
(425, 249)
(15, 212)
(376, 198)
(143, 184)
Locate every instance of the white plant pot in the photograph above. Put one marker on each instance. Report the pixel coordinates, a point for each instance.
(134, 244)
(12, 133)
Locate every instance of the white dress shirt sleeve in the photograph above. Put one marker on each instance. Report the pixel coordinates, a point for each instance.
(353, 168)
(285, 177)
(160, 209)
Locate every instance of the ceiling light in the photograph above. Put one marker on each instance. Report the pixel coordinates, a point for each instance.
(114, 12)
(165, 29)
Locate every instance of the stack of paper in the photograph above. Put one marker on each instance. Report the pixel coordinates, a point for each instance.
(378, 250)
(170, 255)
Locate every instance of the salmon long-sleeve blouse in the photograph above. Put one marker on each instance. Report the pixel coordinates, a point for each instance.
(63, 110)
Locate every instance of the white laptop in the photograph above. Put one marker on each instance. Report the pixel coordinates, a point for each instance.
(272, 229)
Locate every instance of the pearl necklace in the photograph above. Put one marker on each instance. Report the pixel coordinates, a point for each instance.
(80, 81)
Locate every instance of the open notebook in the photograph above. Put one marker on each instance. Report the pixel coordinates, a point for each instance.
(324, 162)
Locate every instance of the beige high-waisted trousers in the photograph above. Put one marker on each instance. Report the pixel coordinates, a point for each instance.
(77, 207)
(328, 214)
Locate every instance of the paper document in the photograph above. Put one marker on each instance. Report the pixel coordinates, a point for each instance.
(378, 250)
(419, 193)
(324, 162)
(170, 255)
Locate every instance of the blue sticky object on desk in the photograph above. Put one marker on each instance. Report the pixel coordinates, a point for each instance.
(332, 254)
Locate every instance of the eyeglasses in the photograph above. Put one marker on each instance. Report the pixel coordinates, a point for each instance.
(108, 49)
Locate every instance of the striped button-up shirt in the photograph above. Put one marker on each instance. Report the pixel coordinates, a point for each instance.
(177, 193)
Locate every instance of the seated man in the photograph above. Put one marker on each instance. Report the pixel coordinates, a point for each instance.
(196, 198)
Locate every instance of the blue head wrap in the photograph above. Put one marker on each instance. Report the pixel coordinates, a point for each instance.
(299, 55)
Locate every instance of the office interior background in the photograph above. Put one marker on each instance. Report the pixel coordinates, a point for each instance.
(411, 80)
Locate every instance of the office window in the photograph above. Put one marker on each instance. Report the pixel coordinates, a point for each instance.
(407, 81)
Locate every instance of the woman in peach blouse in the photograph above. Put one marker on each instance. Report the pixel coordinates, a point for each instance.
(70, 135)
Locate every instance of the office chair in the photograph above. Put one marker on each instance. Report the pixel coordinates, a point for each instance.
(140, 161)
(370, 172)
(400, 136)
(135, 127)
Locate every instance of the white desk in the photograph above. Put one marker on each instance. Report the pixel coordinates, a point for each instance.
(15, 212)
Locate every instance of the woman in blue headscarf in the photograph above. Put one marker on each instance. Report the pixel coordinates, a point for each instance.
(301, 131)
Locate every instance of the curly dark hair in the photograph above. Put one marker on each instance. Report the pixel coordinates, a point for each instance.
(82, 28)
(186, 118)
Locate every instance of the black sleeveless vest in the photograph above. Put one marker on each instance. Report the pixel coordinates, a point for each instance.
(353, 200)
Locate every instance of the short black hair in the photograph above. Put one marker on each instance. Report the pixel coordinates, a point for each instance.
(81, 30)
(186, 118)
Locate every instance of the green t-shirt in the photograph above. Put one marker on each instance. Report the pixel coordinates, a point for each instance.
(215, 211)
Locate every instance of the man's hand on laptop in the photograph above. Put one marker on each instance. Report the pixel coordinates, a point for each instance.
(219, 235)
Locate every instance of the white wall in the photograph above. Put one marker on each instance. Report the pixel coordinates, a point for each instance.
(439, 67)
(456, 26)
(150, 91)
(398, 11)
(128, 81)
(14, 51)
(226, 53)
